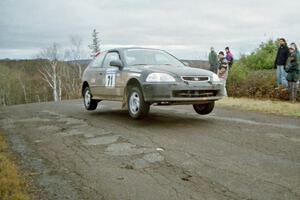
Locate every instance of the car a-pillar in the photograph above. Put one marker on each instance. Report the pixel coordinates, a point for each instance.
(137, 107)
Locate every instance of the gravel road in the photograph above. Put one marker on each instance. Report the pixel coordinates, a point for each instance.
(173, 154)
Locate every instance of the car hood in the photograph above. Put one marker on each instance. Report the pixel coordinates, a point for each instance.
(179, 71)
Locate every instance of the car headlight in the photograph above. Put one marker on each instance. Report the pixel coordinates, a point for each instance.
(160, 77)
(215, 78)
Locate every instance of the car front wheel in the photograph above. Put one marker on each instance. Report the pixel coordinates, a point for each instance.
(89, 103)
(137, 107)
(204, 109)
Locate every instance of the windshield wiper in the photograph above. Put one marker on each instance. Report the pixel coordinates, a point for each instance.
(138, 64)
(150, 64)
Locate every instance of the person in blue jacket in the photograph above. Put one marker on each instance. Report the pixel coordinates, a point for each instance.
(280, 62)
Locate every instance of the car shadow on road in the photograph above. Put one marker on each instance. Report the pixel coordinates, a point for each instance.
(157, 118)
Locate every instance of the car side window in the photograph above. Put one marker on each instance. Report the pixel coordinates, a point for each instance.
(97, 62)
(110, 57)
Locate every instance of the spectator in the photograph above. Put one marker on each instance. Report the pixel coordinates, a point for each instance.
(213, 60)
(293, 44)
(223, 70)
(296, 50)
(280, 62)
(292, 73)
(229, 57)
(221, 58)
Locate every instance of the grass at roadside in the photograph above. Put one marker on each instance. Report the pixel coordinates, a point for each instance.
(266, 106)
(12, 184)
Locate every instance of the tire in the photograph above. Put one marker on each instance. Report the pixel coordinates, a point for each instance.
(137, 107)
(89, 103)
(204, 109)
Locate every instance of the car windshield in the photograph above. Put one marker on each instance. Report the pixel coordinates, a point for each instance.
(150, 57)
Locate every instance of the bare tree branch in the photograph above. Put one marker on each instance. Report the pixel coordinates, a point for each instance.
(46, 78)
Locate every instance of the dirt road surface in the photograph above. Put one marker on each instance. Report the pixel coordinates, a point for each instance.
(173, 154)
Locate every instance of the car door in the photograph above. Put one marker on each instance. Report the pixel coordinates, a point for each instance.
(97, 75)
(112, 86)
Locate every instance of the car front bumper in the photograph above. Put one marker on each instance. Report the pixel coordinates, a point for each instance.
(183, 92)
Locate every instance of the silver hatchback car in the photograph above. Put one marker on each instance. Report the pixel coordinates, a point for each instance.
(140, 77)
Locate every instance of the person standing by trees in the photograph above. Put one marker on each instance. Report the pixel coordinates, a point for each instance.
(292, 70)
(229, 57)
(297, 52)
(280, 62)
(223, 70)
(213, 60)
(293, 44)
(221, 59)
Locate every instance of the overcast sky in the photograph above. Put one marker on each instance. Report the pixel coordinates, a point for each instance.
(185, 28)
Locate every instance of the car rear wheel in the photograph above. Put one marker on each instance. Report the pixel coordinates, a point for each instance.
(204, 109)
(137, 107)
(89, 103)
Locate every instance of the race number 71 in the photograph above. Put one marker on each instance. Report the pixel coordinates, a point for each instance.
(110, 80)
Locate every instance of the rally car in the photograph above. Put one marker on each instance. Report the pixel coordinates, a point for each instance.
(140, 77)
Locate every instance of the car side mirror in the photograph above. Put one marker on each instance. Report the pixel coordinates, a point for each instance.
(116, 63)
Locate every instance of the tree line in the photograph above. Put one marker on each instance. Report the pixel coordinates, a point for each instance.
(49, 77)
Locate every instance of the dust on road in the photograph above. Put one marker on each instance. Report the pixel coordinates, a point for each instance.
(173, 154)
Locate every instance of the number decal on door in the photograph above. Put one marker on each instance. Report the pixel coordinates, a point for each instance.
(110, 80)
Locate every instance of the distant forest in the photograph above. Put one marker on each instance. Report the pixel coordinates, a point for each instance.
(28, 81)
(47, 78)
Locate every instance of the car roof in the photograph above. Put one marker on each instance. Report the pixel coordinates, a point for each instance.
(128, 48)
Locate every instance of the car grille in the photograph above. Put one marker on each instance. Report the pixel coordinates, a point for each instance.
(195, 78)
(195, 93)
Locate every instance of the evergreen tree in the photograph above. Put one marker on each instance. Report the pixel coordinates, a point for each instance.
(95, 46)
